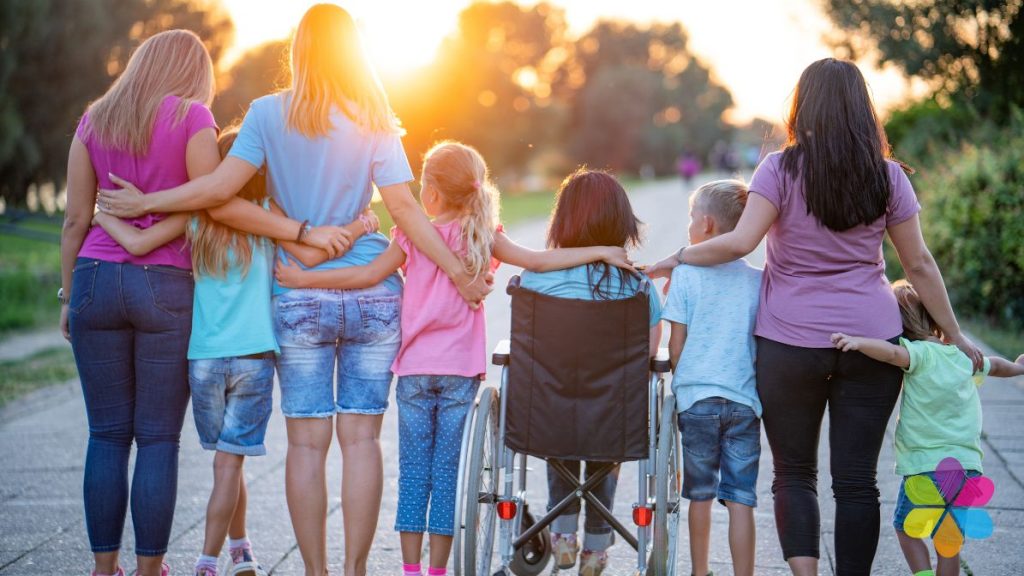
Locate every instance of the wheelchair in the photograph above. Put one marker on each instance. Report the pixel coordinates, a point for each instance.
(577, 383)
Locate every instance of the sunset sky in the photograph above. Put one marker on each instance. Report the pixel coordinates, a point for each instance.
(757, 48)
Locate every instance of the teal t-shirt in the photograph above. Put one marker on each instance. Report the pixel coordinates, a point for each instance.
(578, 282)
(718, 305)
(327, 180)
(232, 315)
(940, 410)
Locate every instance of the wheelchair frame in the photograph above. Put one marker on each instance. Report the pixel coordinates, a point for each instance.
(488, 496)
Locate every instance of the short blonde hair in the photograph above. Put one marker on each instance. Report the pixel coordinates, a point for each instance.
(330, 70)
(918, 324)
(723, 200)
(459, 174)
(175, 63)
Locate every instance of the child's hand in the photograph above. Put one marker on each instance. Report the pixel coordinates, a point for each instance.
(289, 275)
(618, 257)
(372, 217)
(846, 343)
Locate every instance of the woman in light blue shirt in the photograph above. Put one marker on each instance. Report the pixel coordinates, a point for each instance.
(326, 141)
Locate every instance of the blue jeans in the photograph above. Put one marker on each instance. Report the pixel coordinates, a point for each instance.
(431, 414)
(598, 535)
(904, 505)
(720, 437)
(129, 331)
(232, 399)
(353, 332)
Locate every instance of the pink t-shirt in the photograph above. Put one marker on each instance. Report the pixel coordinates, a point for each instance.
(817, 281)
(441, 335)
(162, 167)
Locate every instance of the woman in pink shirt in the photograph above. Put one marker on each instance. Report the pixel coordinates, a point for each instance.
(825, 202)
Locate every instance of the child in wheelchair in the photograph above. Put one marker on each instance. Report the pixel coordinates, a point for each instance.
(592, 209)
(711, 311)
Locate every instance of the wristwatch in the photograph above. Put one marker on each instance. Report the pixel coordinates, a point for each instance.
(64, 300)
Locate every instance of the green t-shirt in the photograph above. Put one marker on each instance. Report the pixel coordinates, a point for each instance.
(940, 413)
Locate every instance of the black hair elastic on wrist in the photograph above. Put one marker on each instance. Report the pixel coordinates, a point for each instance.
(302, 231)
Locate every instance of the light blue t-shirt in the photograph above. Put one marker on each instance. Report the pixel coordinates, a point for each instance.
(232, 315)
(327, 180)
(579, 282)
(718, 304)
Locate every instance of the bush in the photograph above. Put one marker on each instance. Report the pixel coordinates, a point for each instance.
(973, 221)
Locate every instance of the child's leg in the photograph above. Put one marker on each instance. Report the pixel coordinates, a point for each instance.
(455, 396)
(947, 566)
(742, 538)
(416, 405)
(412, 546)
(236, 530)
(699, 521)
(741, 452)
(227, 471)
(916, 552)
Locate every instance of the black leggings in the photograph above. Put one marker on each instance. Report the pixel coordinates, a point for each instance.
(795, 385)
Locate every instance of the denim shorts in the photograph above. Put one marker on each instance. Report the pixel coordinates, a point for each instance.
(352, 333)
(721, 448)
(904, 505)
(232, 399)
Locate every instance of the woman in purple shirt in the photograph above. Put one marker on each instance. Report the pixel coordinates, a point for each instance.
(825, 202)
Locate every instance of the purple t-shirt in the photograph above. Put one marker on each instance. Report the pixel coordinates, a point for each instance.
(818, 281)
(162, 167)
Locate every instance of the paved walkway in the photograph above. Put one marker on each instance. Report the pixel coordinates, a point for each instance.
(42, 445)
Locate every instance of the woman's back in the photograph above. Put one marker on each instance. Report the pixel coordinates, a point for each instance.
(818, 281)
(326, 180)
(163, 166)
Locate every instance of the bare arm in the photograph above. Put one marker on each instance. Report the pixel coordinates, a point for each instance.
(139, 242)
(311, 257)
(655, 337)
(81, 201)
(348, 278)
(1003, 368)
(676, 342)
(757, 218)
(924, 274)
(545, 260)
(873, 348)
(409, 217)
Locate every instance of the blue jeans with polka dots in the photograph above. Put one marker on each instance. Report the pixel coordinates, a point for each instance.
(431, 413)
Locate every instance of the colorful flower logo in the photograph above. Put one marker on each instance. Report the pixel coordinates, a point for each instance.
(948, 509)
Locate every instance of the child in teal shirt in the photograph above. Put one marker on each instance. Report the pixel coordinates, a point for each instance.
(940, 411)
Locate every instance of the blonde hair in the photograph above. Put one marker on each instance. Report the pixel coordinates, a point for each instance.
(459, 174)
(724, 200)
(216, 247)
(175, 63)
(918, 324)
(330, 69)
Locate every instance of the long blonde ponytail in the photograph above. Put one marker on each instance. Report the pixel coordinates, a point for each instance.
(458, 172)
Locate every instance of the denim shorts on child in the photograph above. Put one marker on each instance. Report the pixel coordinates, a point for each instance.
(352, 332)
(904, 505)
(721, 448)
(232, 399)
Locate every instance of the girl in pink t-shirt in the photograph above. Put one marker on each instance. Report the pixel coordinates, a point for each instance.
(443, 353)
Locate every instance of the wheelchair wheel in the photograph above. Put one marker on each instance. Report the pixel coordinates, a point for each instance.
(666, 510)
(480, 496)
(533, 557)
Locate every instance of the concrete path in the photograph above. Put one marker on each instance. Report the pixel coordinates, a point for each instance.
(43, 436)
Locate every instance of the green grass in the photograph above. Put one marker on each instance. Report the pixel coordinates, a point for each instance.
(29, 278)
(18, 377)
(1007, 343)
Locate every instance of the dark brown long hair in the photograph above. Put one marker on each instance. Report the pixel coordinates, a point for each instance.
(592, 209)
(836, 145)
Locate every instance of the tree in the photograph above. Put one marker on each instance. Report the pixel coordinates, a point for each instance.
(261, 70)
(969, 48)
(638, 97)
(58, 55)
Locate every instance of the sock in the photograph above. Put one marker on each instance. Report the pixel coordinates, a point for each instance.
(437, 571)
(925, 573)
(205, 561)
(411, 569)
(242, 542)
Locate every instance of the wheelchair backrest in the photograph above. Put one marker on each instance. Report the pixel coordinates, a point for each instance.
(578, 376)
